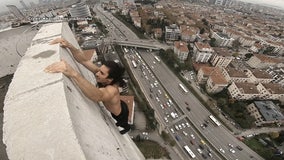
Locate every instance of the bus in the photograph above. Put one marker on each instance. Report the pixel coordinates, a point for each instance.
(215, 120)
(188, 150)
(183, 88)
(134, 64)
(157, 59)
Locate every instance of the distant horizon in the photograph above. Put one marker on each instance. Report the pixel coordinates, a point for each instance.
(17, 3)
(279, 4)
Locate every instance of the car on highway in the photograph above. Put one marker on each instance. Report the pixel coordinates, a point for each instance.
(210, 155)
(222, 150)
(172, 130)
(188, 109)
(239, 148)
(177, 138)
(186, 103)
(176, 127)
(199, 150)
(187, 124)
(231, 150)
(166, 119)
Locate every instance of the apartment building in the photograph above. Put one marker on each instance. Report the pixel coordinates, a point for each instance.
(172, 32)
(232, 33)
(216, 83)
(255, 48)
(203, 37)
(278, 47)
(221, 57)
(188, 34)
(235, 75)
(202, 52)
(80, 10)
(265, 112)
(136, 19)
(243, 91)
(181, 50)
(258, 76)
(262, 61)
(222, 39)
(273, 91)
(213, 79)
(249, 91)
(277, 73)
(157, 32)
(246, 41)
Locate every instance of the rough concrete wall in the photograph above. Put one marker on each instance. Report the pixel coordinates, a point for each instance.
(13, 44)
(46, 116)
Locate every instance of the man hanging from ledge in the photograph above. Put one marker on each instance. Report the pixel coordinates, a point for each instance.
(108, 76)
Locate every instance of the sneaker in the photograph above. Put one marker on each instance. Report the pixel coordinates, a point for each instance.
(125, 130)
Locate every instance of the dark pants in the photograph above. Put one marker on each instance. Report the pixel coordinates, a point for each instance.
(122, 118)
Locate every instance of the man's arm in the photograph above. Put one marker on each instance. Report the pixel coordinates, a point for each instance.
(77, 54)
(89, 90)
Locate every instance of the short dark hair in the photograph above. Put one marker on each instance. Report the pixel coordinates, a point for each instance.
(116, 72)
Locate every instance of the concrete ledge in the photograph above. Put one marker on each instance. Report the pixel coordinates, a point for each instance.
(46, 116)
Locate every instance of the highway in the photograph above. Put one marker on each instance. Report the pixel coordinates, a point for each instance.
(157, 72)
(219, 137)
(122, 35)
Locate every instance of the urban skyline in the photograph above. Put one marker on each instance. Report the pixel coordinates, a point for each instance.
(269, 3)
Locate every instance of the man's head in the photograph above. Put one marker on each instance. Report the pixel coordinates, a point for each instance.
(110, 73)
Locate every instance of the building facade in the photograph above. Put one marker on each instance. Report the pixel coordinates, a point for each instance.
(202, 52)
(80, 10)
(181, 50)
(172, 32)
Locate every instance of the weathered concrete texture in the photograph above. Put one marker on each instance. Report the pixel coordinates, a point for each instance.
(13, 45)
(46, 116)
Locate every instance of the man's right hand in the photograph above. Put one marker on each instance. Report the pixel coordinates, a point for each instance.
(63, 43)
(61, 67)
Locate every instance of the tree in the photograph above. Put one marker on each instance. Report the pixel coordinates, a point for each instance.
(274, 135)
(213, 42)
(248, 55)
(205, 22)
(236, 44)
(202, 30)
(221, 102)
(268, 50)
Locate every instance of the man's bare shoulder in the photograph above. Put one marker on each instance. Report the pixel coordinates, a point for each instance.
(111, 89)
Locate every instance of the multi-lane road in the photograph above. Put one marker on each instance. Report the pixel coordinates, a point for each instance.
(157, 73)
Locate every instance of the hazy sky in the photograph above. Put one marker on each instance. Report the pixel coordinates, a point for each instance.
(274, 3)
(3, 3)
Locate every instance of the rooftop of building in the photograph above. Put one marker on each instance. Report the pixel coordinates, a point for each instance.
(247, 88)
(269, 110)
(261, 74)
(274, 88)
(233, 72)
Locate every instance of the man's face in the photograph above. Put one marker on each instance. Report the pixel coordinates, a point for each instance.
(102, 75)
